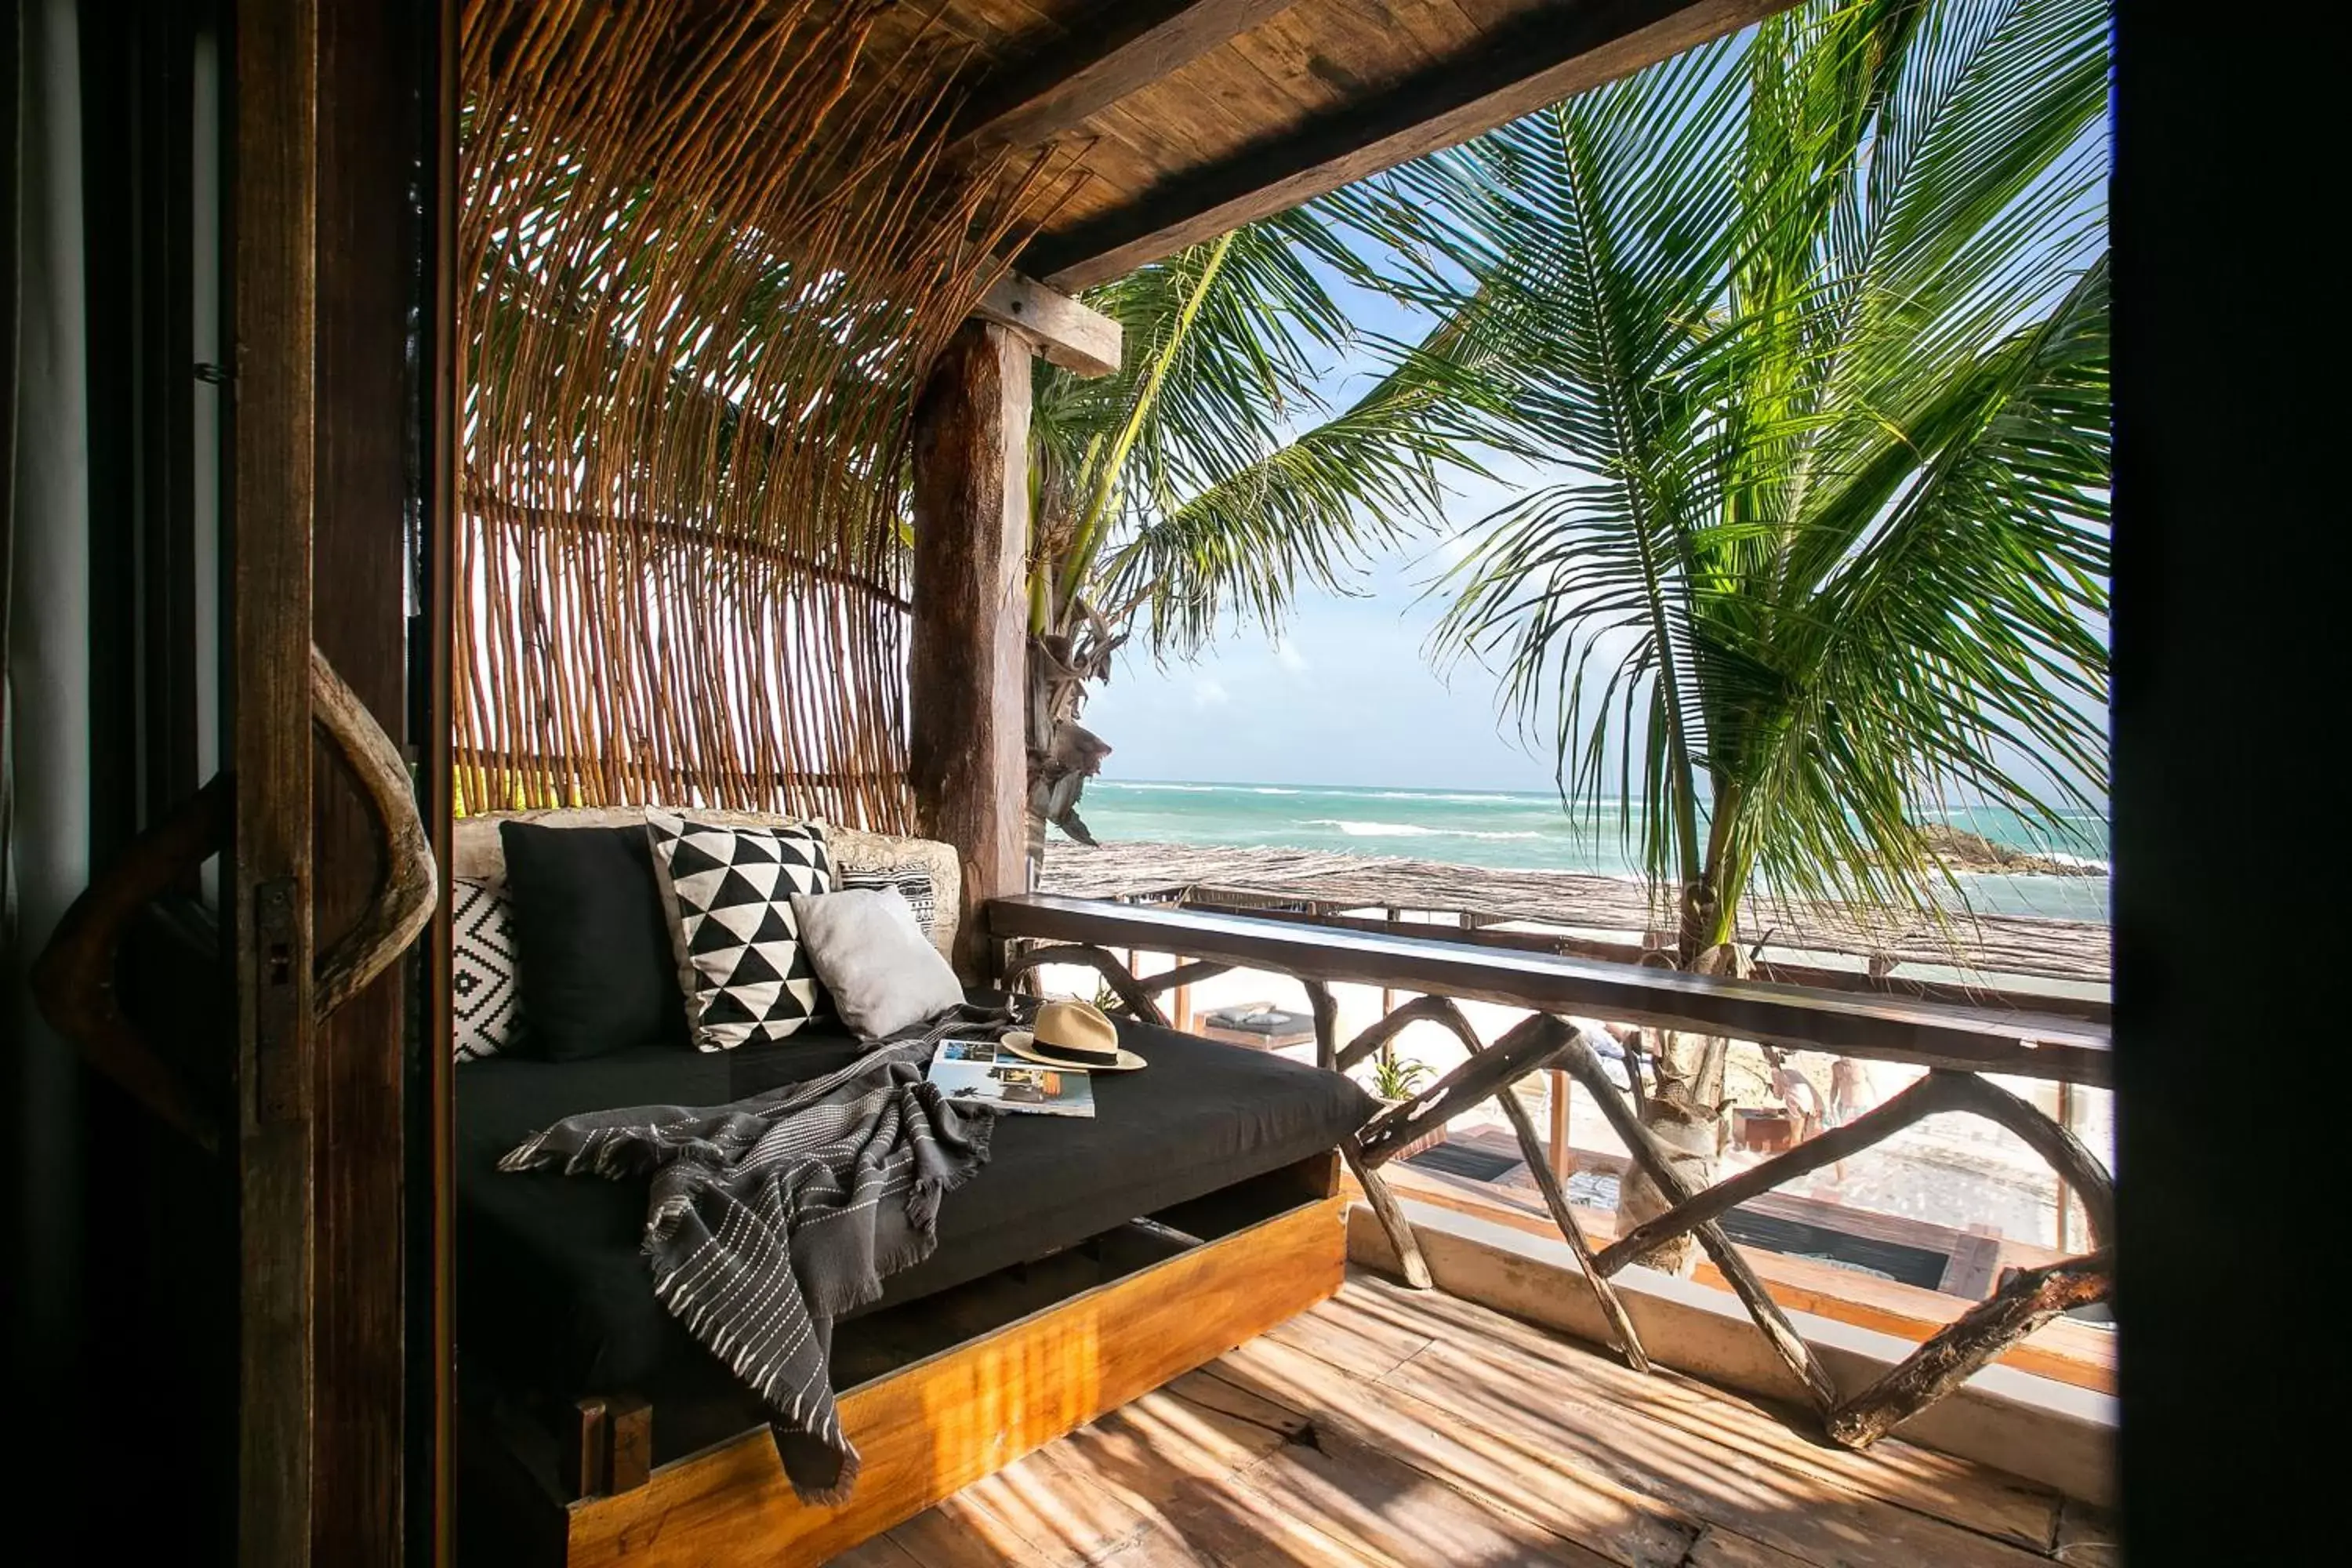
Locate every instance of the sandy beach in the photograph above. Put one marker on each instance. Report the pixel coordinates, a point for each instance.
(1950, 1171)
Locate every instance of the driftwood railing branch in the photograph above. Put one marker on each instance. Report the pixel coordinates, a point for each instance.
(1183, 975)
(1391, 1214)
(1421, 1009)
(1527, 1047)
(1956, 1044)
(1443, 1010)
(1584, 1066)
(1133, 994)
(2076, 1166)
(1138, 994)
(2031, 1298)
(1326, 1009)
(1936, 1092)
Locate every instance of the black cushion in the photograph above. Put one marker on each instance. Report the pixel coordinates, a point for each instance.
(554, 1296)
(598, 973)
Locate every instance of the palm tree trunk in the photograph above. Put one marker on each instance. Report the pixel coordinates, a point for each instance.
(1688, 1109)
(1063, 753)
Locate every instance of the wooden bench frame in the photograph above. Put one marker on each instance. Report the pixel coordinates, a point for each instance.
(934, 1426)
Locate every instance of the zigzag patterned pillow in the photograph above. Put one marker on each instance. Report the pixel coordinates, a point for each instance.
(913, 882)
(728, 891)
(482, 972)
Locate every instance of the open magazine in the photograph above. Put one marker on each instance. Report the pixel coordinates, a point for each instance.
(976, 1072)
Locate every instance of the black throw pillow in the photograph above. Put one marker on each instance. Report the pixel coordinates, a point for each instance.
(597, 973)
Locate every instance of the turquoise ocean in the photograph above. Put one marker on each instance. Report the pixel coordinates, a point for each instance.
(1522, 831)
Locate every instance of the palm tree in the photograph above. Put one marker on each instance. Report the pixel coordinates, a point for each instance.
(1176, 499)
(1812, 326)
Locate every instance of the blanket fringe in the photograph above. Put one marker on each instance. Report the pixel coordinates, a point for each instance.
(524, 1156)
(839, 1492)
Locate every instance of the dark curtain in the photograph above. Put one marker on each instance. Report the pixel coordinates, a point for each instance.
(44, 737)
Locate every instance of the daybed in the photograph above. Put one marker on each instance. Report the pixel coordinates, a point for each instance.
(1091, 1260)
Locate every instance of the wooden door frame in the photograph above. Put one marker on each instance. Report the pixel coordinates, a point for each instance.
(339, 480)
(435, 730)
(274, 313)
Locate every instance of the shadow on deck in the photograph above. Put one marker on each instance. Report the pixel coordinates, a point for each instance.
(1393, 1428)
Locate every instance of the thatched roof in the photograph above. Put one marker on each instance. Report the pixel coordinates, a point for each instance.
(1192, 116)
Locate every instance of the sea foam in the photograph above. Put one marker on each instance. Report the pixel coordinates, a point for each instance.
(1409, 830)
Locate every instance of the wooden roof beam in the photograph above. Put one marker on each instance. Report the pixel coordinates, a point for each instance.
(1546, 56)
(1139, 42)
(1056, 328)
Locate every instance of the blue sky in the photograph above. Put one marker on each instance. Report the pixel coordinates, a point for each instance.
(1347, 697)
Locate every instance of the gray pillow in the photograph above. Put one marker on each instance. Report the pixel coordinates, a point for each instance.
(881, 968)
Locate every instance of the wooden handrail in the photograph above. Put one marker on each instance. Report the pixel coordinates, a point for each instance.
(1800, 1018)
(1569, 945)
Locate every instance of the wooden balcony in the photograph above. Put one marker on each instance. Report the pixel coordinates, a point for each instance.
(1847, 1392)
(1392, 1426)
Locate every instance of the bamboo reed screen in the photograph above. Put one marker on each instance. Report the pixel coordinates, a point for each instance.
(712, 249)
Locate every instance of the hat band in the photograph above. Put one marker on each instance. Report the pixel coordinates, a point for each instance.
(1071, 1053)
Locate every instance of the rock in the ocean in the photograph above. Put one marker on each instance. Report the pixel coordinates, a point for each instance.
(1961, 850)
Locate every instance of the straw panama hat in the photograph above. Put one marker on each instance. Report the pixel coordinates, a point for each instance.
(1073, 1035)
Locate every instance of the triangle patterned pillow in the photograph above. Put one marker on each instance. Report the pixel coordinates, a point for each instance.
(482, 972)
(728, 891)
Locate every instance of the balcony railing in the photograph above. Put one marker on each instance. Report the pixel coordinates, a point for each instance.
(1960, 1045)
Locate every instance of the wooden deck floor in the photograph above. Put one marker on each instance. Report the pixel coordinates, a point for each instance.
(1391, 1427)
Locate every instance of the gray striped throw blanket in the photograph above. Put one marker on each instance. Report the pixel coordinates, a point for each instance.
(772, 1216)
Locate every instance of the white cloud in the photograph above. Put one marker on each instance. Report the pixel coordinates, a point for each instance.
(1286, 654)
(1207, 693)
(1454, 550)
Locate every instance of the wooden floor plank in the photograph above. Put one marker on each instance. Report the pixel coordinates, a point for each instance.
(1175, 1456)
(1390, 1429)
(1158, 1546)
(1050, 1501)
(1972, 1496)
(2087, 1537)
(1198, 1430)
(1391, 1514)
(1369, 1334)
(961, 1533)
(1231, 1526)
(1615, 1523)
(1798, 1514)
(1721, 1549)
(879, 1552)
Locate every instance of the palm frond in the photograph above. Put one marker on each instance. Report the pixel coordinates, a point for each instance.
(1313, 511)
(1206, 482)
(1811, 326)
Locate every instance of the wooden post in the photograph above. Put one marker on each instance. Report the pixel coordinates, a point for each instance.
(1388, 992)
(2067, 1239)
(274, 210)
(1325, 1008)
(967, 655)
(1563, 1106)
